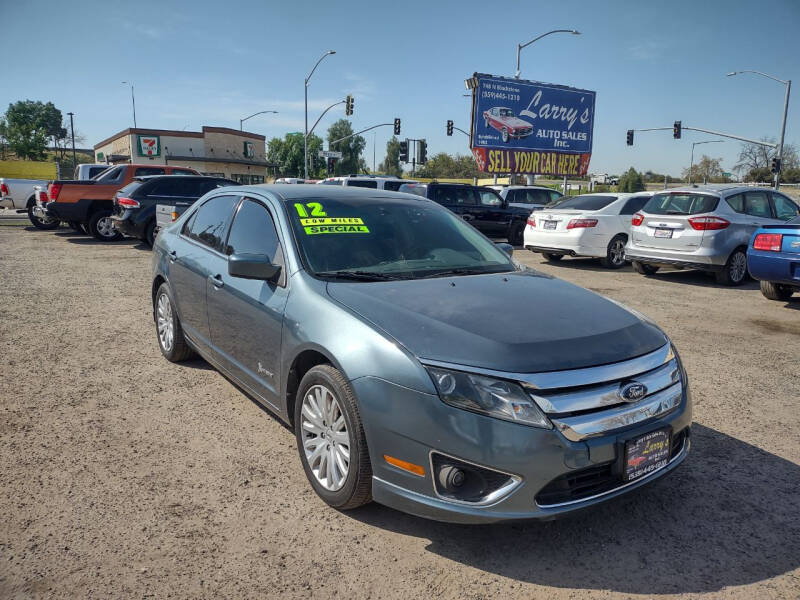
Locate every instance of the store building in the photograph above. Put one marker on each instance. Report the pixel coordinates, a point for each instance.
(218, 151)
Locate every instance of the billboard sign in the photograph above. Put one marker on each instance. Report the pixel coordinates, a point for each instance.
(149, 145)
(523, 126)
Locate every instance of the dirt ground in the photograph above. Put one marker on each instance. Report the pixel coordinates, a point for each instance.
(125, 476)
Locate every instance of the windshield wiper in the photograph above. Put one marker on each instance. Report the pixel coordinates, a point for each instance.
(459, 271)
(360, 275)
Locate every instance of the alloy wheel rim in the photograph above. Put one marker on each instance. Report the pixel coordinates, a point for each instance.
(105, 227)
(738, 266)
(166, 331)
(617, 252)
(326, 441)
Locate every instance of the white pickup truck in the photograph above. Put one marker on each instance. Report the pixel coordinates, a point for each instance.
(20, 194)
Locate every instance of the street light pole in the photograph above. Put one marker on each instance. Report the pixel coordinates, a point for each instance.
(691, 160)
(72, 129)
(305, 93)
(241, 121)
(133, 103)
(521, 46)
(788, 84)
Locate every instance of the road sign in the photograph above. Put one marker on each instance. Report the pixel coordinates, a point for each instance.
(330, 154)
(724, 174)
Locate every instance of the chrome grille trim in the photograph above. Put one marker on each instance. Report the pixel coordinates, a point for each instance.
(594, 424)
(604, 395)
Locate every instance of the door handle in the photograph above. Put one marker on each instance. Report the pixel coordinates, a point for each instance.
(173, 254)
(217, 280)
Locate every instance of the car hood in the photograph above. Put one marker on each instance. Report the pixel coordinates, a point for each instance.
(522, 322)
(514, 122)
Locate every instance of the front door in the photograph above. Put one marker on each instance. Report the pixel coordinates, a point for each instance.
(246, 315)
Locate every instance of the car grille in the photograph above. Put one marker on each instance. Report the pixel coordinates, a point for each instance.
(592, 481)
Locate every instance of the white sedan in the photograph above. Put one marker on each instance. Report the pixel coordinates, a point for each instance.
(595, 225)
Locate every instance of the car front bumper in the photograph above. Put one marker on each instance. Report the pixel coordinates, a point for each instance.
(415, 427)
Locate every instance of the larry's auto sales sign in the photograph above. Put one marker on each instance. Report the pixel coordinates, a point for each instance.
(523, 126)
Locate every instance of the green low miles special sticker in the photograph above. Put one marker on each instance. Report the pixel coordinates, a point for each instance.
(319, 221)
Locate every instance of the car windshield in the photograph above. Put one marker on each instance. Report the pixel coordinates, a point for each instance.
(506, 112)
(382, 238)
(585, 202)
(680, 204)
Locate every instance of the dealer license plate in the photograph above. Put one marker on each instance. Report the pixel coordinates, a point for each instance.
(663, 233)
(647, 453)
(550, 224)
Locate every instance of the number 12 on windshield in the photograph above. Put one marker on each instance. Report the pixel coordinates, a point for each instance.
(316, 209)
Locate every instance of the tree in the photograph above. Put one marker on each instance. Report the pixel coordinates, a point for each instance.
(28, 125)
(287, 153)
(351, 148)
(445, 166)
(756, 160)
(391, 164)
(705, 170)
(631, 181)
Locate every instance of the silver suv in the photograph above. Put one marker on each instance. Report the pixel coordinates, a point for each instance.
(705, 228)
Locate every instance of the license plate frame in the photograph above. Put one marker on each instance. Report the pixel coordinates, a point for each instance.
(646, 453)
(663, 232)
(549, 225)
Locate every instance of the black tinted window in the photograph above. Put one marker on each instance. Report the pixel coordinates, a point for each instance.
(634, 205)
(208, 224)
(455, 196)
(144, 171)
(253, 232)
(587, 202)
(170, 187)
(412, 188)
(360, 183)
(392, 186)
(532, 196)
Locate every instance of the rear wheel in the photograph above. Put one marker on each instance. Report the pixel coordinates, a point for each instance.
(102, 227)
(776, 291)
(331, 440)
(549, 256)
(171, 341)
(45, 223)
(150, 233)
(735, 271)
(644, 268)
(516, 234)
(615, 253)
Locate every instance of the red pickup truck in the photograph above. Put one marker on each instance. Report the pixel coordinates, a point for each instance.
(90, 203)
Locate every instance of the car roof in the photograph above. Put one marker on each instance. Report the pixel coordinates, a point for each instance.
(183, 177)
(289, 193)
(717, 188)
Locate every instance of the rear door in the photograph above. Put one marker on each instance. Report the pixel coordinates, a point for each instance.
(757, 211)
(666, 221)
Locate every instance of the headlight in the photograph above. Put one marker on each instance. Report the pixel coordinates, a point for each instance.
(493, 397)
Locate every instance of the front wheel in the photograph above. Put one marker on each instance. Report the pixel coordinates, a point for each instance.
(45, 223)
(644, 268)
(550, 257)
(775, 291)
(505, 135)
(615, 254)
(331, 440)
(735, 270)
(171, 341)
(102, 227)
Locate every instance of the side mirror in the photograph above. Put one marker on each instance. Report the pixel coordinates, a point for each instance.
(253, 266)
(507, 248)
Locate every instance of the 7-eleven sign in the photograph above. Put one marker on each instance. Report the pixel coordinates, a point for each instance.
(149, 145)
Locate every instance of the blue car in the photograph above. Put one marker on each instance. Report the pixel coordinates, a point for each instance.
(774, 259)
(386, 332)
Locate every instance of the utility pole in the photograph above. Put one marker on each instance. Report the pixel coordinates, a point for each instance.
(72, 128)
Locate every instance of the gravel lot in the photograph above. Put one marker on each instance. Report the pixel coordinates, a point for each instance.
(122, 475)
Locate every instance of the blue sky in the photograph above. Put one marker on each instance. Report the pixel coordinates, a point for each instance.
(211, 63)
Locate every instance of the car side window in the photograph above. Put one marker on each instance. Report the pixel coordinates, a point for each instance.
(167, 187)
(490, 198)
(210, 221)
(253, 232)
(756, 204)
(634, 205)
(785, 209)
(364, 184)
(537, 197)
(144, 171)
(554, 196)
(182, 172)
(736, 202)
(392, 186)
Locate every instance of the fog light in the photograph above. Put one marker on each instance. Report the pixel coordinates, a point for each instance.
(458, 480)
(451, 477)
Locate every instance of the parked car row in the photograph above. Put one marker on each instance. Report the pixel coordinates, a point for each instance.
(725, 230)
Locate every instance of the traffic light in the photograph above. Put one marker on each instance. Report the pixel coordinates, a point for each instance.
(348, 105)
(404, 151)
(449, 127)
(629, 139)
(776, 165)
(676, 130)
(423, 152)
(331, 165)
(397, 126)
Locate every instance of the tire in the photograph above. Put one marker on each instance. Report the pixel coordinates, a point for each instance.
(644, 268)
(169, 332)
(150, 233)
(76, 226)
(42, 223)
(517, 234)
(550, 257)
(615, 253)
(314, 436)
(735, 271)
(776, 291)
(101, 228)
(505, 135)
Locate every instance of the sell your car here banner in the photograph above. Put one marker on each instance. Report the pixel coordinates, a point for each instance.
(523, 126)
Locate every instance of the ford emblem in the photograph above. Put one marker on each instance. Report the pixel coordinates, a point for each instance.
(631, 392)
